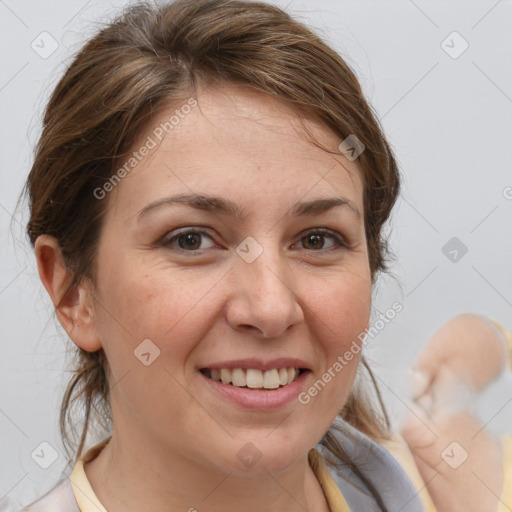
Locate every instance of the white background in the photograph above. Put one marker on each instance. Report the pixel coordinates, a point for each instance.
(448, 119)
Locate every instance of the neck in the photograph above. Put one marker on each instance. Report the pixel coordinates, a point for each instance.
(126, 479)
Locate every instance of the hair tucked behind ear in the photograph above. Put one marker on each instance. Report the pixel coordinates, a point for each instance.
(91, 377)
(150, 59)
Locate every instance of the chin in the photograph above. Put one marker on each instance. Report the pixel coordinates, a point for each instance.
(265, 452)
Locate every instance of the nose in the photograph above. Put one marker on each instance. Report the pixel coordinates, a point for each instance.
(263, 300)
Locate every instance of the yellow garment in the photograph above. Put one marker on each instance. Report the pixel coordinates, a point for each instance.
(508, 336)
(506, 495)
(84, 495)
(332, 492)
(89, 502)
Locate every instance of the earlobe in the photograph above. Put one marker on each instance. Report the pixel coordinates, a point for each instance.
(73, 304)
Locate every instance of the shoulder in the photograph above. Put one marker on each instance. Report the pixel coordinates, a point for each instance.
(58, 499)
(368, 469)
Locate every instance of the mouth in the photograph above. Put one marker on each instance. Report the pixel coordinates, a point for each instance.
(253, 378)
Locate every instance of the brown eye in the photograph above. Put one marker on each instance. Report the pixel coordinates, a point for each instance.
(190, 240)
(315, 240)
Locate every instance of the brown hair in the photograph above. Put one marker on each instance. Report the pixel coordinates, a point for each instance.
(152, 57)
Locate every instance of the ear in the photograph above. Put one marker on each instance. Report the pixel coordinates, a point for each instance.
(72, 305)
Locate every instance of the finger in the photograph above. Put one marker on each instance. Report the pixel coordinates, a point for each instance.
(458, 460)
(423, 442)
(439, 488)
(435, 353)
(470, 345)
(420, 383)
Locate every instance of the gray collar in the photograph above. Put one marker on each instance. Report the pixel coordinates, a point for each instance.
(377, 466)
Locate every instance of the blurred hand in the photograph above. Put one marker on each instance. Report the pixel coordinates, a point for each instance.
(459, 461)
(468, 349)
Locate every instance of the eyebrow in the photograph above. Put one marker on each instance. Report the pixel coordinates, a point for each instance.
(227, 207)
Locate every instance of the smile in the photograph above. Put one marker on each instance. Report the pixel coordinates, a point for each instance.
(256, 389)
(254, 378)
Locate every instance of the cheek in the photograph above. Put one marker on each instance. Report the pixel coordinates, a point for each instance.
(162, 306)
(138, 292)
(342, 304)
(149, 324)
(342, 311)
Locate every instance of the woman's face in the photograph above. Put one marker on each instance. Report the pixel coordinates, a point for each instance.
(254, 268)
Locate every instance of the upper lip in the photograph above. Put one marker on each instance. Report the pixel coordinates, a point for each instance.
(259, 364)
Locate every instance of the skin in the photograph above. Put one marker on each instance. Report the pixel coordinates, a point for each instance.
(469, 347)
(175, 442)
(468, 350)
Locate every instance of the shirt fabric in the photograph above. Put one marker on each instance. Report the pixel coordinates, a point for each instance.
(344, 490)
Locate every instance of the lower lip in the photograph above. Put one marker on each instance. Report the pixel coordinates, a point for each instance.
(260, 399)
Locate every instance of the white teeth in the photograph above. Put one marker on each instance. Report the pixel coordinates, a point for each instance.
(225, 375)
(238, 377)
(271, 379)
(255, 379)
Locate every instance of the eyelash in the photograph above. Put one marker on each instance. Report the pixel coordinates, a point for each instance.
(167, 241)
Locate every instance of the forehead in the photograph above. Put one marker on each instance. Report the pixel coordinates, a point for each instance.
(238, 143)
